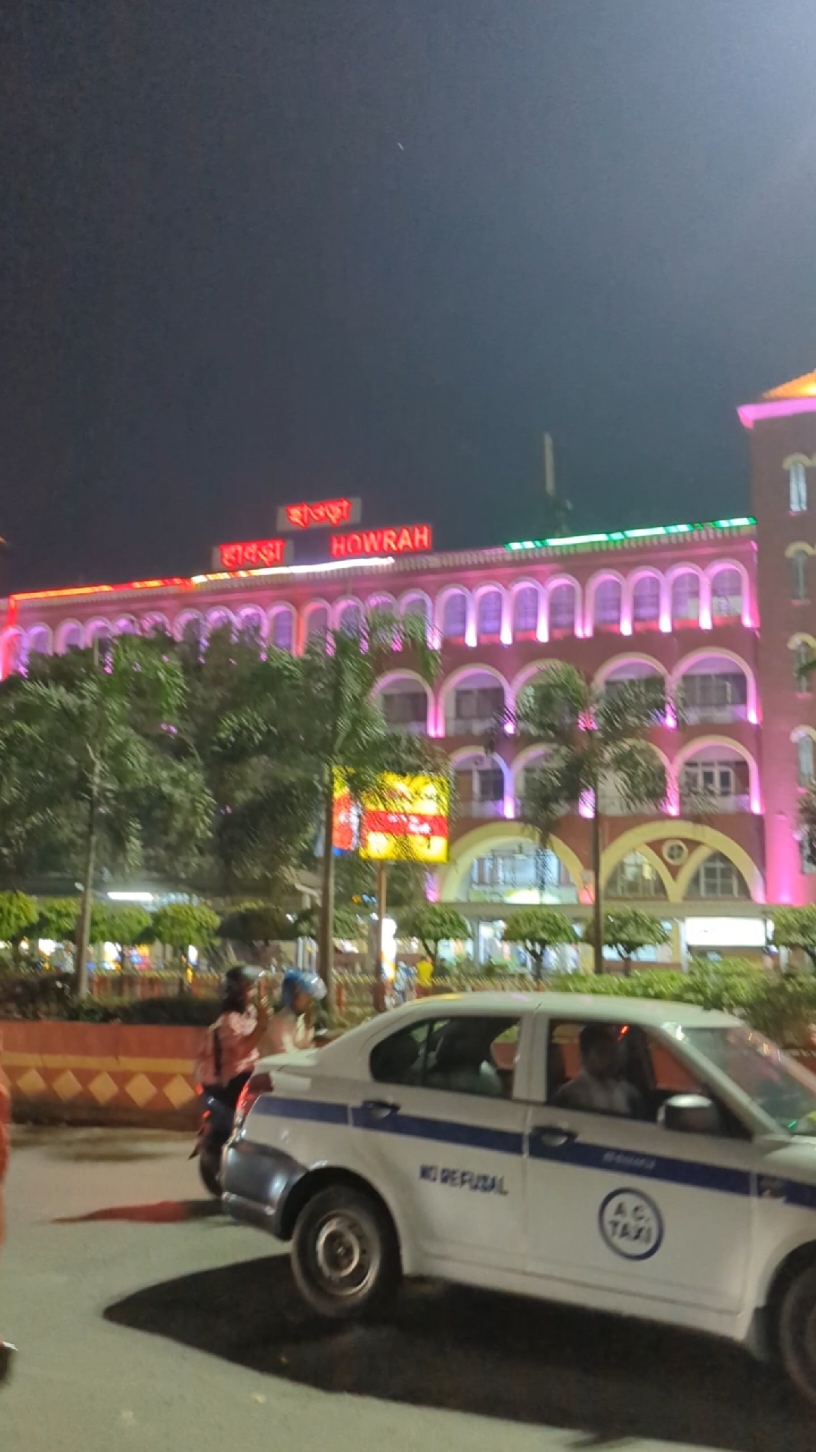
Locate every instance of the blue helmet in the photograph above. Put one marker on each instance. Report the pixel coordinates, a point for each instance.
(296, 982)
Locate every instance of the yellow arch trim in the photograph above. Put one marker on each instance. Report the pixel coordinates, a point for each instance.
(710, 839)
(649, 854)
(799, 547)
(481, 840)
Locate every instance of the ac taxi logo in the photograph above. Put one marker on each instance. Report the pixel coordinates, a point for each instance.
(631, 1224)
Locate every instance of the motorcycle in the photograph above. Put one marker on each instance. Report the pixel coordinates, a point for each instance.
(217, 1119)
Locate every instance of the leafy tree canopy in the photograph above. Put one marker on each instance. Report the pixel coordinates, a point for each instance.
(432, 923)
(536, 929)
(629, 929)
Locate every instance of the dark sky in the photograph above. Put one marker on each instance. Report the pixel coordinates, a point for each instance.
(261, 250)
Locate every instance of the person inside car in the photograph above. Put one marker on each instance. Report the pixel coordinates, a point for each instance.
(600, 1086)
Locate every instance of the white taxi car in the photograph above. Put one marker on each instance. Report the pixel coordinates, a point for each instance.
(653, 1159)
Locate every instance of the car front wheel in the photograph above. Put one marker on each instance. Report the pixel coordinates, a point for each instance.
(797, 1332)
(345, 1254)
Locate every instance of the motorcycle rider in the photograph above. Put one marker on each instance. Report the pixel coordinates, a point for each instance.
(291, 1025)
(231, 1049)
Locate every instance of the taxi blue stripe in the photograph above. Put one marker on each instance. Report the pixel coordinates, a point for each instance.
(580, 1153)
(650, 1167)
(441, 1131)
(321, 1110)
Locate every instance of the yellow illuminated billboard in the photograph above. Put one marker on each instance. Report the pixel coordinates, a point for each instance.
(404, 820)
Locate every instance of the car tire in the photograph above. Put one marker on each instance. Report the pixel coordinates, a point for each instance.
(797, 1332)
(345, 1253)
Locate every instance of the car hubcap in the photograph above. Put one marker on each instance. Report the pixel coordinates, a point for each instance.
(343, 1255)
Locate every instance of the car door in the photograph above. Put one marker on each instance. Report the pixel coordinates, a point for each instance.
(442, 1125)
(623, 1204)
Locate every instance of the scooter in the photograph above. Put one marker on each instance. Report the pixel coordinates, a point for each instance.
(215, 1129)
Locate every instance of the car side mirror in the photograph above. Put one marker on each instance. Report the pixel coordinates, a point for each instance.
(690, 1114)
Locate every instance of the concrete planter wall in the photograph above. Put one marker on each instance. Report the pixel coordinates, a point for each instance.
(82, 1073)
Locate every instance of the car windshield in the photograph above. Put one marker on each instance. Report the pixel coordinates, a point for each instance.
(779, 1085)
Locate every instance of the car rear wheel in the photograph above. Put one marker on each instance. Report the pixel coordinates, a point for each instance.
(345, 1254)
(797, 1332)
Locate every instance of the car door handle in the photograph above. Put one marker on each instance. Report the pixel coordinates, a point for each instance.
(380, 1108)
(552, 1135)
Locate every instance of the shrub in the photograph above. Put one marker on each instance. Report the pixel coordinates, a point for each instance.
(180, 1009)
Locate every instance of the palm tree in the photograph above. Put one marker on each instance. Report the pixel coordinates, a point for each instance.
(344, 729)
(95, 741)
(592, 739)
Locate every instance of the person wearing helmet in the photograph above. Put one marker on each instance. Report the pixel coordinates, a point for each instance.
(291, 1025)
(231, 1048)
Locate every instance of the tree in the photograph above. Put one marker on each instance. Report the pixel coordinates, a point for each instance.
(537, 929)
(627, 930)
(181, 925)
(18, 916)
(126, 925)
(344, 729)
(433, 923)
(795, 927)
(348, 923)
(592, 739)
(259, 925)
(243, 724)
(96, 740)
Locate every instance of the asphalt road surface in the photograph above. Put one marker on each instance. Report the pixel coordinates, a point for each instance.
(146, 1323)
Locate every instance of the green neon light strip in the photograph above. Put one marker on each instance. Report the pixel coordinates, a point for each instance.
(624, 534)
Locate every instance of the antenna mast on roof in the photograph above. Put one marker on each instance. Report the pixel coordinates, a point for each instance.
(557, 510)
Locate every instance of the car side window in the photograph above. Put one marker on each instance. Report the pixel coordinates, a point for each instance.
(467, 1054)
(599, 1067)
(400, 1058)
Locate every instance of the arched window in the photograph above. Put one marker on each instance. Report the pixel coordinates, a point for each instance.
(70, 638)
(416, 609)
(726, 595)
(562, 608)
(685, 598)
(635, 877)
(802, 657)
(39, 640)
(525, 611)
(317, 624)
(282, 629)
(798, 488)
(192, 633)
(798, 575)
(351, 618)
(519, 873)
(607, 609)
(646, 600)
(804, 760)
(489, 613)
(454, 616)
(717, 877)
(251, 627)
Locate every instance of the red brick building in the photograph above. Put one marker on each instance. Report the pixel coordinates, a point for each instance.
(722, 608)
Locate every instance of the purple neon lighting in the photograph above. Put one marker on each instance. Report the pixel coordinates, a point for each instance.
(750, 413)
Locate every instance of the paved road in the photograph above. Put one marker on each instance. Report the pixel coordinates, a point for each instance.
(147, 1324)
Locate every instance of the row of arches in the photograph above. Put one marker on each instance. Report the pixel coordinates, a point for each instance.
(718, 687)
(498, 862)
(529, 609)
(712, 773)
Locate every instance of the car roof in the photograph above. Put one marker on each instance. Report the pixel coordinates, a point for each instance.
(603, 1008)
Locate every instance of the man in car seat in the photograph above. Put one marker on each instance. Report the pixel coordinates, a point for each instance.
(600, 1085)
(462, 1060)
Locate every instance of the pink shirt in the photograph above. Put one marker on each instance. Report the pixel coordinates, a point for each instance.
(233, 1030)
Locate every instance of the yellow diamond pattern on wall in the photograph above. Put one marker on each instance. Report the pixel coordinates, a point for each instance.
(179, 1091)
(140, 1089)
(103, 1088)
(31, 1082)
(67, 1086)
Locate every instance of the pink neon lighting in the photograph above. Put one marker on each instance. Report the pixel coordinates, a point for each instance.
(507, 632)
(705, 615)
(509, 808)
(750, 413)
(470, 633)
(586, 805)
(665, 620)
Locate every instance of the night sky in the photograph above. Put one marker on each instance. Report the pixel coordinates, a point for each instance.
(255, 251)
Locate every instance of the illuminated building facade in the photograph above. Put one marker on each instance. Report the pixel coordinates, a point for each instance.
(722, 610)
